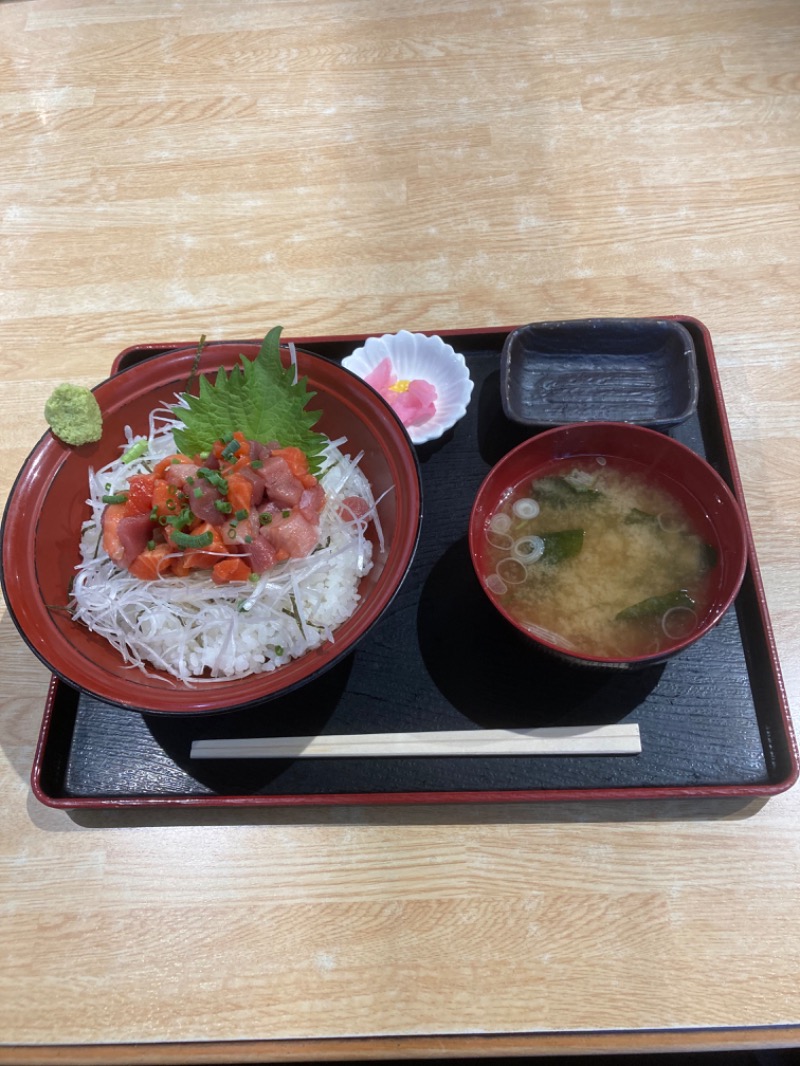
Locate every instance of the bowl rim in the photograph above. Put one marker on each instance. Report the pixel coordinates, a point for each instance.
(620, 662)
(51, 454)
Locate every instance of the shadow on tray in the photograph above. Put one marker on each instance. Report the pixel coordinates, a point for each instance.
(301, 713)
(487, 670)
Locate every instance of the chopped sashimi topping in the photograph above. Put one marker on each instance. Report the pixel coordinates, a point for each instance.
(225, 582)
(182, 498)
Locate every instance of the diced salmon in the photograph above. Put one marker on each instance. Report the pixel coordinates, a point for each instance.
(240, 493)
(200, 558)
(171, 460)
(296, 459)
(167, 499)
(234, 568)
(112, 516)
(150, 565)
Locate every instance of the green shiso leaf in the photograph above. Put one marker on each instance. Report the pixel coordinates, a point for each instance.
(260, 398)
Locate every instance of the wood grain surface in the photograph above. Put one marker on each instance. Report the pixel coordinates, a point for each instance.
(338, 166)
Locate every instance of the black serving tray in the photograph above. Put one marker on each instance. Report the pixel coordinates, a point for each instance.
(714, 721)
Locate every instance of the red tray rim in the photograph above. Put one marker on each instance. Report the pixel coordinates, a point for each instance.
(400, 799)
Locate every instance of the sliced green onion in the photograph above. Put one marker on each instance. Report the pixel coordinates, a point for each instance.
(500, 523)
(528, 549)
(189, 540)
(214, 478)
(223, 506)
(256, 464)
(264, 519)
(135, 451)
(285, 514)
(197, 493)
(178, 521)
(526, 508)
(119, 498)
(230, 450)
(150, 545)
(241, 514)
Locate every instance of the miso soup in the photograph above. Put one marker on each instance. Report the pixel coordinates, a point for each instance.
(598, 560)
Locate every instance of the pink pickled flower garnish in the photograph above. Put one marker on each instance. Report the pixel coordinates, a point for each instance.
(414, 401)
(382, 376)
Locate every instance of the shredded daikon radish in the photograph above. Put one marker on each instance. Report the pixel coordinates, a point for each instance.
(200, 632)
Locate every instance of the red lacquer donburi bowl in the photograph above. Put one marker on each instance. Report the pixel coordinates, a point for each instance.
(46, 507)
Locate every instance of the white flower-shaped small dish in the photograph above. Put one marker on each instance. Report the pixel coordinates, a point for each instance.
(414, 357)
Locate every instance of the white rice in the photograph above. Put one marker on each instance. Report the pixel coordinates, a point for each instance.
(197, 631)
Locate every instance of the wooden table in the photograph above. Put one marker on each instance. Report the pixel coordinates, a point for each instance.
(171, 169)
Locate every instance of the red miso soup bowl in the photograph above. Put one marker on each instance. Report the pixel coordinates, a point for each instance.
(616, 545)
(47, 507)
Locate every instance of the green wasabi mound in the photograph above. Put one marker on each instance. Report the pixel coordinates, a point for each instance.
(74, 415)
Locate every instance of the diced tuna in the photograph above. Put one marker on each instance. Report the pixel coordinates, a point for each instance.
(125, 536)
(259, 488)
(311, 503)
(271, 509)
(236, 531)
(294, 535)
(283, 487)
(263, 554)
(202, 505)
(178, 473)
(261, 451)
(353, 507)
(134, 532)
